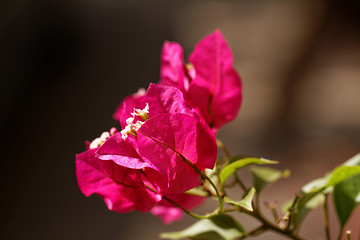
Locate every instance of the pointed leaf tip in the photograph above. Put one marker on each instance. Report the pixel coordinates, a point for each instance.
(246, 202)
(229, 170)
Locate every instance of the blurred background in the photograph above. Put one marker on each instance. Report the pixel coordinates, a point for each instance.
(66, 65)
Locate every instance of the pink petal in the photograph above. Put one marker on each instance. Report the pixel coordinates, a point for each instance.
(165, 99)
(217, 87)
(172, 66)
(166, 140)
(122, 152)
(121, 188)
(169, 212)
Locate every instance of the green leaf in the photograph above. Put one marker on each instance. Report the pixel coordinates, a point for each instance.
(219, 227)
(263, 176)
(286, 206)
(246, 202)
(354, 161)
(305, 205)
(346, 197)
(309, 198)
(315, 185)
(197, 192)
(311, 193)
(228, 170)
(342, 173)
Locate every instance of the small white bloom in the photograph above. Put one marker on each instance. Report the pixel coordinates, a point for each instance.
(137, 125)
(104, 136)
(124, 132)
(131, 127)
(141, 112)
(129, 120)
(95, 143)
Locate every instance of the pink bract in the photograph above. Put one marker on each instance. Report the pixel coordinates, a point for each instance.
(123, 189)
(169, 213)
(211, 85)
(175, 141)
(122, 152)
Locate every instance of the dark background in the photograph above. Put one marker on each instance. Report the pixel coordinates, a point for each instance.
(66, 65)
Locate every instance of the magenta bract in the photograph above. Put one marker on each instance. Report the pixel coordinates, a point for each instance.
(170, 141)
(211, 84)
(172, 72)
(123, 189)
(122, 152)
(169, 213)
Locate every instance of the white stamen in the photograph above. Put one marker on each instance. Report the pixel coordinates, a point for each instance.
(104, 136)
(129, 120)
(139, 112)
(131, 127)
(137, 125)
(124, 132)
(97, 142)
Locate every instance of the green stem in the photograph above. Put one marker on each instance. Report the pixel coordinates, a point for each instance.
(290, 221)
(204, 176)
(240, 182)
(272, 207)
(255, 232)
(230, 209)
(348, 235)
(221, 204)
(187, 211)
(326, 217)
(341, 232)
(223, 148)
(270, 226)
(257, 202)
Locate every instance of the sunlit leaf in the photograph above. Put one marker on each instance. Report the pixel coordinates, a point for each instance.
(219, 227)
(246, 202)
(354, 161)
(228, 170)
(305, 204)
(264, 176)
(346, 197)
(197, 192)
(311, 193)
(286, 206)
(342, 173)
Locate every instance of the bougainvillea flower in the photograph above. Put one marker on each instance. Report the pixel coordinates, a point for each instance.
(210, 83)
(123, 189)
(172, 71)
(161, 99)
(168, 212)
(160, 131)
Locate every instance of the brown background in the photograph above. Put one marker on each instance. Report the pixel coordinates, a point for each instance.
(66, 65)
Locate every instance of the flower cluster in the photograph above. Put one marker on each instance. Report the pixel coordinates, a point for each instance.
(167, 134)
